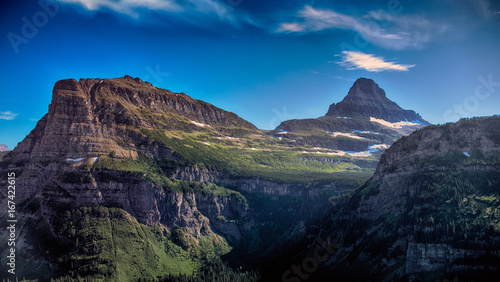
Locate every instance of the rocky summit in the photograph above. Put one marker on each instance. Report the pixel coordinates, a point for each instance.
(366, 99)
(363, 124)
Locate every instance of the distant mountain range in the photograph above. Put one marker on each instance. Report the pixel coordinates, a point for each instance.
(122, 180)
(4, 148)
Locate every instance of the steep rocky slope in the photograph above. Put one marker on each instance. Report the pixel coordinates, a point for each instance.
(364, 123)
(430, 212)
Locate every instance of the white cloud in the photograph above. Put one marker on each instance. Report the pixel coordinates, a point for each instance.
(7, 115)
(357, 60)
(399, 32)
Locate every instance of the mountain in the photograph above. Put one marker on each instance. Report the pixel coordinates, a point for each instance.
(97, 116)
(429, 213)
(362, 125)
(366, 99)
(122, 180)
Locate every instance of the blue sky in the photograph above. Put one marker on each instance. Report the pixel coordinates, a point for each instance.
(267, 61)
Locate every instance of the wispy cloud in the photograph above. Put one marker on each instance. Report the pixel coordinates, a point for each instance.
(399, 32)
(358, 60)
(7, 115)
(184, 8)
(127, 7)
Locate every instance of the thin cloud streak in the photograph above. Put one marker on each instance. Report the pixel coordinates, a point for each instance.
(184, 8)
(353, 60)
(127, 7)
(8, 115)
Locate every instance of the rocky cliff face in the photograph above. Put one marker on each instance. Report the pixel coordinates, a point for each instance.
(92, 150)
(90, 118)
(366, 99)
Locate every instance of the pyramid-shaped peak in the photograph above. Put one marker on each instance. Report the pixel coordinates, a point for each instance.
(366, 87)
(366, 100)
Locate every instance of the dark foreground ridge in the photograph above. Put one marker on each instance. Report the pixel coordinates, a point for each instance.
(429, 213)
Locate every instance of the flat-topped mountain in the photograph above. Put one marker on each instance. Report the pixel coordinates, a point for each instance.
(366, 99)
(91, 117)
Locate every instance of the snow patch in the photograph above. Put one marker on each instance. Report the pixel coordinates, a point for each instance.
(340, 153)
(378, 147)
(200, 124)
(398, 124)
(467, 154)
(362, 154)
(228, 138)
(75, 160)
(365, 132)
(350, 135)
(372, 149)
